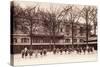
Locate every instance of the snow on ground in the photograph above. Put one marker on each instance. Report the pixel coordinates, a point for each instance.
(51, 58)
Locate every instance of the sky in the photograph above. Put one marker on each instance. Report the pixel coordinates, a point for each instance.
(45, 5)
(48, 6)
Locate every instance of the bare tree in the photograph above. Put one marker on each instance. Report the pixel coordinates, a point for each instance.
(93, 18)
(50, 24)
(89, 14)
(16, 11)
(26, 19)
(72, 17)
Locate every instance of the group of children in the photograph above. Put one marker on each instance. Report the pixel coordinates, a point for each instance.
(43, 52)
(25, 52)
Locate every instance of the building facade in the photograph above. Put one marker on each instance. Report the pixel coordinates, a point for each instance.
(43, 40)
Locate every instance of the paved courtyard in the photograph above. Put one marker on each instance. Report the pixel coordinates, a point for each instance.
(50, 58)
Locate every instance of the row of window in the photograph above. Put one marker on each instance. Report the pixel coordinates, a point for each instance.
(81, 34)
(23, 40)
(26, 40)
(81, 30)
(74, 40)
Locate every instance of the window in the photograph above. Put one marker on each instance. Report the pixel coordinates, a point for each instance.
(81, 34)
(45, 40)
(75, 27)
(75, 30)
(41, 41)
(36, 40)
(67, 40)
(75, 40)
(24, 40)
(67, 28)
(81, 31)
(75, 34)
(81, 40)
(56, 40)
(15, 40)
(61, 30)
(33, 40)
(67, 34)
(50, 41)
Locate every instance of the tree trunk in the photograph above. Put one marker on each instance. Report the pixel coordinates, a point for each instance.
(53, 40)
(31, 36)
(87, 27)
(72, 36)
(94, 29)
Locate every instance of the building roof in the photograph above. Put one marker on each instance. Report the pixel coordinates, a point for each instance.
(92, 39)
(40, 35)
